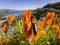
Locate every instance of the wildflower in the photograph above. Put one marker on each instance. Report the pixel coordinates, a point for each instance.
(39, 33)
(49, 18)
(11, 19)
(5, 28)
(40, 24)
(55, 27)
(27, 16)
(28, 31)
(57, 30)
(42, 32)
(27, 22)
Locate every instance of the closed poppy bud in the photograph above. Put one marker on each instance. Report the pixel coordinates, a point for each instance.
(40, 24)
(5, 28)
(11, 19)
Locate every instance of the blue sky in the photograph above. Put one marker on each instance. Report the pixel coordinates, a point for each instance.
(24, 4)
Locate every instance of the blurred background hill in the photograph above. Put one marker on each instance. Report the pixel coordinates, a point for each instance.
(41, 12)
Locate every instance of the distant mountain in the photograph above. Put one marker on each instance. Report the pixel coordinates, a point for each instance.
(10, 11)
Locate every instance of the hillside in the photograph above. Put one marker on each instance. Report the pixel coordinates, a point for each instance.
(41, 12)
(54, 6)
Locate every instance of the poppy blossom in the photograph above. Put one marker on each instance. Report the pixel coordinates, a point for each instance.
(49, 18)
(5, 28)
(11, 19)
(55, 27)
(40, 24)
(57, 30)
(28, 31)
(27, 15)
(39, 33)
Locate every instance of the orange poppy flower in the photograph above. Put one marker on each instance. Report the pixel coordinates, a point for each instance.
(27, 15)
(11, 19)
(39, 33)
(58, 34)
(5, 28)
(40, 24)
(28, 31)
(55, 27)
(57, 30)
(49, 17)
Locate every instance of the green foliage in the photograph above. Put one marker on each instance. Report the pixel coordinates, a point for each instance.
(18, 40)
(19, 25)
(47, 39)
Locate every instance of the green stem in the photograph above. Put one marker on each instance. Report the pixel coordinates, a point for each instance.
(6, 37)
